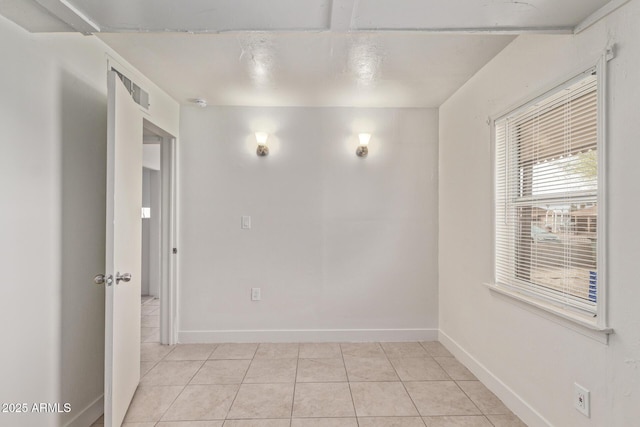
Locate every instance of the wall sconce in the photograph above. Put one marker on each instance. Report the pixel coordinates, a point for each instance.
(261, 138)
(363, 148)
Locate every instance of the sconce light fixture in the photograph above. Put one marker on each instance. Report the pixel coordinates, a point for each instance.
(261, 138)
(363, 148)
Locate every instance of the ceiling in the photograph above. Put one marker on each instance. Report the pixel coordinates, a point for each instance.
(309, 69)
(368, 53)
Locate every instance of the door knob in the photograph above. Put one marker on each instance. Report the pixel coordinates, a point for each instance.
(125, 277)
(101, 279)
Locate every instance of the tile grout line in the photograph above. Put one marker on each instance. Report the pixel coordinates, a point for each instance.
(355, 412)
(471, 400)
(295, 382)
(404, 386)
(177, 396)
(239, 385)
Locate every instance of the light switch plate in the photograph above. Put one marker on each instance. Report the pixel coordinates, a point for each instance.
(255, 294)
(245, 222)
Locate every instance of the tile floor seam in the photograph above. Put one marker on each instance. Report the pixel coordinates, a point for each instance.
(486, 414)
(404, 386)
(344, 364)
(239, 387)
(295, 381)
(169, 406)
(472, 401)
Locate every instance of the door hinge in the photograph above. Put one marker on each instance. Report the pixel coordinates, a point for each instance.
(175, 251)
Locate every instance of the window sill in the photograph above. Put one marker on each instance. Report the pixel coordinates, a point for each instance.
(580, 323)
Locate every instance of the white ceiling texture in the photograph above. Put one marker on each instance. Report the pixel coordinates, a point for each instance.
(366, 53)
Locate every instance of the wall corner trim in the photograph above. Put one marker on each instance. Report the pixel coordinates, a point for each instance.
(89, 414)
(513, 401)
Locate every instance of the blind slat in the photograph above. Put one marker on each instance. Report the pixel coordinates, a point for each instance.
(546, 197)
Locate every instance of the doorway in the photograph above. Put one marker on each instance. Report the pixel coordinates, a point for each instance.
(151, 217)
(158, 236)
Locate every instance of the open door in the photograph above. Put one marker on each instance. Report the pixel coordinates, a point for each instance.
(123, 251)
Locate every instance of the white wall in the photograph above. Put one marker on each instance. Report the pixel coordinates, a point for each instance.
(521, 355)
(146, 237)
(52, 189)
(340, 244)
(155, 232)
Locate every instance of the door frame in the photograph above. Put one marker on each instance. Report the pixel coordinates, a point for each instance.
(168, 234)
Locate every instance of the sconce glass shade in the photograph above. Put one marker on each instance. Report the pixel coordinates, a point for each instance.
(261, 138)
(364, 138)
(363, 150)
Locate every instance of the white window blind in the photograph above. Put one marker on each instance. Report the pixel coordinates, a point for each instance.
(547, 196)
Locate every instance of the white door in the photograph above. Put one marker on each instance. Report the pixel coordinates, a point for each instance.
(123, 251)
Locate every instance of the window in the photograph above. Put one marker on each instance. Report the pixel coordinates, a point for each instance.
(547, 196)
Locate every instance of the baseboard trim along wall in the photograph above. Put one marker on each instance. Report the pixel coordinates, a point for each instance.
(521, 408)
(89, 414)
(308, 335)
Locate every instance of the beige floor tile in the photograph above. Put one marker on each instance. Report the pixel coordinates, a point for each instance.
(455, 369)
(321, 370)
(202, 402)
(153, 337)
(153, 352)
(171, 373)
(484, 398)
(150, 310)
(319, 400)
(153, 301)
(269, 371)
(191, 352)
(234, 351)
(440, 398)
(146, 367)
(404, 349)
(391, 422)
(382, 399)
(434, 348)
(362, 349)
(262, 401)
(277, 351)
(221, 372)
(324, 422)
(323, 350)
(150, 321)
(458, 421)
(419, 369)
(152, 424)
(258, 423)
(369, 369)
(189, 424)
(506, 421)
(149, 403)
(147, 332)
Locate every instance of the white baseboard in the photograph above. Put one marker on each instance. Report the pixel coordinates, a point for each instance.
(308, 335)
(89, 414)
(510, 398)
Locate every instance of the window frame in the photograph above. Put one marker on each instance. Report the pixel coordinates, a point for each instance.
(599, 322)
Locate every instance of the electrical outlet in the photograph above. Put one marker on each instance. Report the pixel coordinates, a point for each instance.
(255, 294)
(581, 399)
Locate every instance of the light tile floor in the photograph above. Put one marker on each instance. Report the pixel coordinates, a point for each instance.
(150, 322)
(407, 384)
